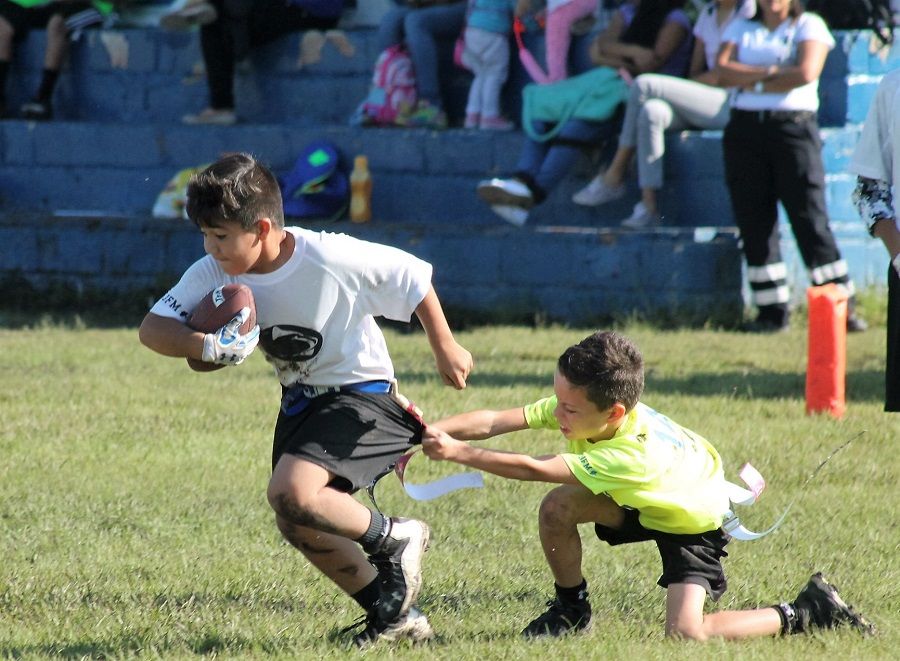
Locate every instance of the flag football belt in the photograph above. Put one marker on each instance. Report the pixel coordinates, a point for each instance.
(297, 397)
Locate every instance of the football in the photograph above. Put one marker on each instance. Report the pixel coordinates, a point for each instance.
(215, 310)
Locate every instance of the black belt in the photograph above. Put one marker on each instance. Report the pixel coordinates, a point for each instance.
(796, 116)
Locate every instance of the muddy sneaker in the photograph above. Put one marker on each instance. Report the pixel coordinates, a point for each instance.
(560, 619)
(413, 626)
(819, 606)
(399, 564)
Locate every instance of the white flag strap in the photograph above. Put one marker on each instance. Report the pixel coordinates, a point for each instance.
(436, 488)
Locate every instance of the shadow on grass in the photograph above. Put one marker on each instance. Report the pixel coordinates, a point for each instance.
(861, 385)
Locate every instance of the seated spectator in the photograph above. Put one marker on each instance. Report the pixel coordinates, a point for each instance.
(64, 21)
(420, 24)
(562, 17)
(642, 36)
(239, 27)
(660, 103)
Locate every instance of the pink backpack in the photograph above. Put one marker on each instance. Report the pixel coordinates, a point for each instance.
(393, 93)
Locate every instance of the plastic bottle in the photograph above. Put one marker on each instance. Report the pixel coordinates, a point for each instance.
(360, 191)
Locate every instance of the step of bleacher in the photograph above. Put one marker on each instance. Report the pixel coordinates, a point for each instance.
(575, 275)
(161, 80)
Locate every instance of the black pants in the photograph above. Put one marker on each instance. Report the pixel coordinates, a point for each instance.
(771, 158)
(243, 25)
(892, 369)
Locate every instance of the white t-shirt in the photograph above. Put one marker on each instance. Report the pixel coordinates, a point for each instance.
(316, 311)
(708, 30)
(757, 46)
(877, 154)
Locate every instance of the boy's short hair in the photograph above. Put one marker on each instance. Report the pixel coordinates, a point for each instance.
(608, 366)
(236, 188)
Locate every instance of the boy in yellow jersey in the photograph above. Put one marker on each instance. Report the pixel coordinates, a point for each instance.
(637, 476)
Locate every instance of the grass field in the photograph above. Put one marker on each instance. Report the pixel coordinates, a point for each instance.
(133, 520)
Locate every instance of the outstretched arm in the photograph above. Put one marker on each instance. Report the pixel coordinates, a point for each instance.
(453, 361)
(440, 446)
(478, 425)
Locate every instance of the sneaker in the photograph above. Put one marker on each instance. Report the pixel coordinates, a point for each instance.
(819, 606)
(513, 215)
(760, 325)
(399, 564)
(473, 119)
(496, 124)
(559, 620)
(641, 218)
(426, 116)
(597, 193)
(413, 626)
(211, 117)
(505, 191)
(36, 110)
(186, 15)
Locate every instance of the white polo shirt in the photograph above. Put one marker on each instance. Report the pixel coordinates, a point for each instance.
(877, 154)
(757, 46)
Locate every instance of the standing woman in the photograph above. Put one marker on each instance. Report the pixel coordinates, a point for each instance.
(773, 153)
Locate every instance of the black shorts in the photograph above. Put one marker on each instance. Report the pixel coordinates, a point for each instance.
(22, 19)
(685, 558)
(356, 436)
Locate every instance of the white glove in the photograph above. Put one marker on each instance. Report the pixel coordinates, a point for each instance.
(227, 346)
(896, 263)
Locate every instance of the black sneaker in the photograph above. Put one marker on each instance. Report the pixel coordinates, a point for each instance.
(399, 565)
(36, 110)
(560, 619)
(412, 626)
(819, 606)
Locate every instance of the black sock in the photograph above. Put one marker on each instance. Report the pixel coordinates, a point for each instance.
(368, 596)
(789, 620)
(379, 527)
(48, 83)
(575, 596)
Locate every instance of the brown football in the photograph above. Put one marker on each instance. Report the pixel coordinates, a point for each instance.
(215, 310)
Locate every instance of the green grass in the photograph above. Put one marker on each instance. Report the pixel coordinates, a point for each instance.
(133, 520)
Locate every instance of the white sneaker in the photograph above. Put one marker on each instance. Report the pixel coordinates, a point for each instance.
(513, 215)
(212, 117)
(641, 218)
(506, 192)
(399, 565)
(597, 193)
(412, 626)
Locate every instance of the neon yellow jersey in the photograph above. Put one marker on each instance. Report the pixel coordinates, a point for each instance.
(672, 476)
(102, 6)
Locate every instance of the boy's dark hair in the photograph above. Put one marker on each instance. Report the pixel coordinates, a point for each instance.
(236, 188)
(608, 366)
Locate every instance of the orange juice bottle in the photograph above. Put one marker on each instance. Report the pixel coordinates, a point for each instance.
(360, 191)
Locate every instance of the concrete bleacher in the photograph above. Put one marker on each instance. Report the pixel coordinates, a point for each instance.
(87, 180)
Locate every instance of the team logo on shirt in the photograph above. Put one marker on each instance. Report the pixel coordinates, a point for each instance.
(291, 343)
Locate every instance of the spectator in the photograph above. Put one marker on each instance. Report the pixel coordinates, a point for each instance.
(877, 164)
(64, 21)
(239, 27)
(486, 54)
(561, 16)
(659, 103)
(420, 24)
(773, 154)
(642, 36)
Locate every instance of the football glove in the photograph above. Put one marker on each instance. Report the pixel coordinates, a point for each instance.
(227, 346)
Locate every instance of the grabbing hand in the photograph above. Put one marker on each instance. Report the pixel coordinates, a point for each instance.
(454, 364)
(439, 445)
(227, 346)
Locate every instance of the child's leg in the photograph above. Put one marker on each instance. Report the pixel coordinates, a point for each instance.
(559, 35)
(496, 68)
(685, 618)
